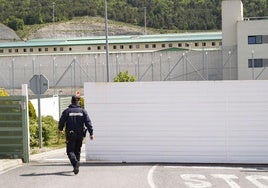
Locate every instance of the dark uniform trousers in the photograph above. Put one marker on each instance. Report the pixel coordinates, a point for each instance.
(73, 146)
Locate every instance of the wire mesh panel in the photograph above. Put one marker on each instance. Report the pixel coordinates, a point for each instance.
(72, 70)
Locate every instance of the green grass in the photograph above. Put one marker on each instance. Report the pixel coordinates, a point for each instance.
(50, 147)
(28, 29)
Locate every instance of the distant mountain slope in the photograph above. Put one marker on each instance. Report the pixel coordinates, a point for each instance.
(83, 27)
(159, 14)
(7, 34)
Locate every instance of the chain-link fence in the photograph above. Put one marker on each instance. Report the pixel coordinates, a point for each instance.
(71, 71)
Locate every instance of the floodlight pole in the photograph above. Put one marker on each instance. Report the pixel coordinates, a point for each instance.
(252, 63)
(145, 31)
(53, 18)
(107, 45)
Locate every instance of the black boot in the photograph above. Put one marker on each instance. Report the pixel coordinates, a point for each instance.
(76, 168)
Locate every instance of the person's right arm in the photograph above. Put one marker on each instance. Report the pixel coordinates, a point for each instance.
(62, 121)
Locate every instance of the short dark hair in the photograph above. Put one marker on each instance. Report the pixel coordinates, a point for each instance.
(75, 99)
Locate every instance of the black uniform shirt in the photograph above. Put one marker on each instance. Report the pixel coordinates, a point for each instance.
(75, 118)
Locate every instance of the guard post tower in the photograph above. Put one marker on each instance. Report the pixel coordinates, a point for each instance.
(244, 43)
(232, 12)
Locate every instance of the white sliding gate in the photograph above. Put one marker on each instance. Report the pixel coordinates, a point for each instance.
(200, 122)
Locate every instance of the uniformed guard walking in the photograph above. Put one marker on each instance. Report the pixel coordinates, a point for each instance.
(76, 122)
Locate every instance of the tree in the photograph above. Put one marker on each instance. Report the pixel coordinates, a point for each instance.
(124, 77)
(161, 14)
(15, 23)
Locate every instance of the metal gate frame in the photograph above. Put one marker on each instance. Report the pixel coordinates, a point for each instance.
(14, 130)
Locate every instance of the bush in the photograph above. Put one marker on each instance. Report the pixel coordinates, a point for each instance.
(32, 113)
(82, 102)
(50, 133)
(34, 134)
(124, 77)
(15, 23)
(49, 129)
(3, 92)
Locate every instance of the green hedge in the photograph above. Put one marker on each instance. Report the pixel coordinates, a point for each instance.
(50, 133)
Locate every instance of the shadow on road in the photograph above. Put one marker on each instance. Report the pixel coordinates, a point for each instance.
(256, 170)
(63, 173)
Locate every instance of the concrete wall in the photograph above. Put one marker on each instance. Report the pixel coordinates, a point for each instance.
(201, 121)
(72, 71)
(253, 51)
(232, 11)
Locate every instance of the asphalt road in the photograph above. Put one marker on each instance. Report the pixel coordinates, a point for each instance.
(54, 171)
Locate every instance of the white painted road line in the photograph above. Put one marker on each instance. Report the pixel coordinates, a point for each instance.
(150, 177)
(207, 167)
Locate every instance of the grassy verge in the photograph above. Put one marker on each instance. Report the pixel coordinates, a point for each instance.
(53, 146)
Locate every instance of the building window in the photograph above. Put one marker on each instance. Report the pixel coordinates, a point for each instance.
(1, 51)
(153, 45)
(213, 43)
(61, 49)
(170, 45)
(137, 46)
(163, 45)
(31, 50)
(146, 45)
(204, 44)
(39, 49)
(196, 44)
(99, 47)
(70, 49)
(121, 46)
(257, 63)
(179, 45)
(24, 50)
(16, 50)
(54, 49)
(187, 45)
(130, 46)
(114, 47)
(88, 48)
(46, 49)
(10, 50)
(255, 39)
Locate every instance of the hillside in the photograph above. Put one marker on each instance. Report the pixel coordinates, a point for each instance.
(186, 15)
(7, 34)
(81, 27)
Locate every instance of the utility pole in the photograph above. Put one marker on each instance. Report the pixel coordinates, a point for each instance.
(53, 18)
(252, 63)
(107, 45)
(145, 32)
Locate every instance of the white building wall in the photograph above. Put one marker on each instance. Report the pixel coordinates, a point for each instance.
(202, 121)
(49, 106)
(232, 12)
(253, 51)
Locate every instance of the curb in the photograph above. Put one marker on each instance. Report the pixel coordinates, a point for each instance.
(40, 156)
(6, 164)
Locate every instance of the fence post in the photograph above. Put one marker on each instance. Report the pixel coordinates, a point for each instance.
(25, 124)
